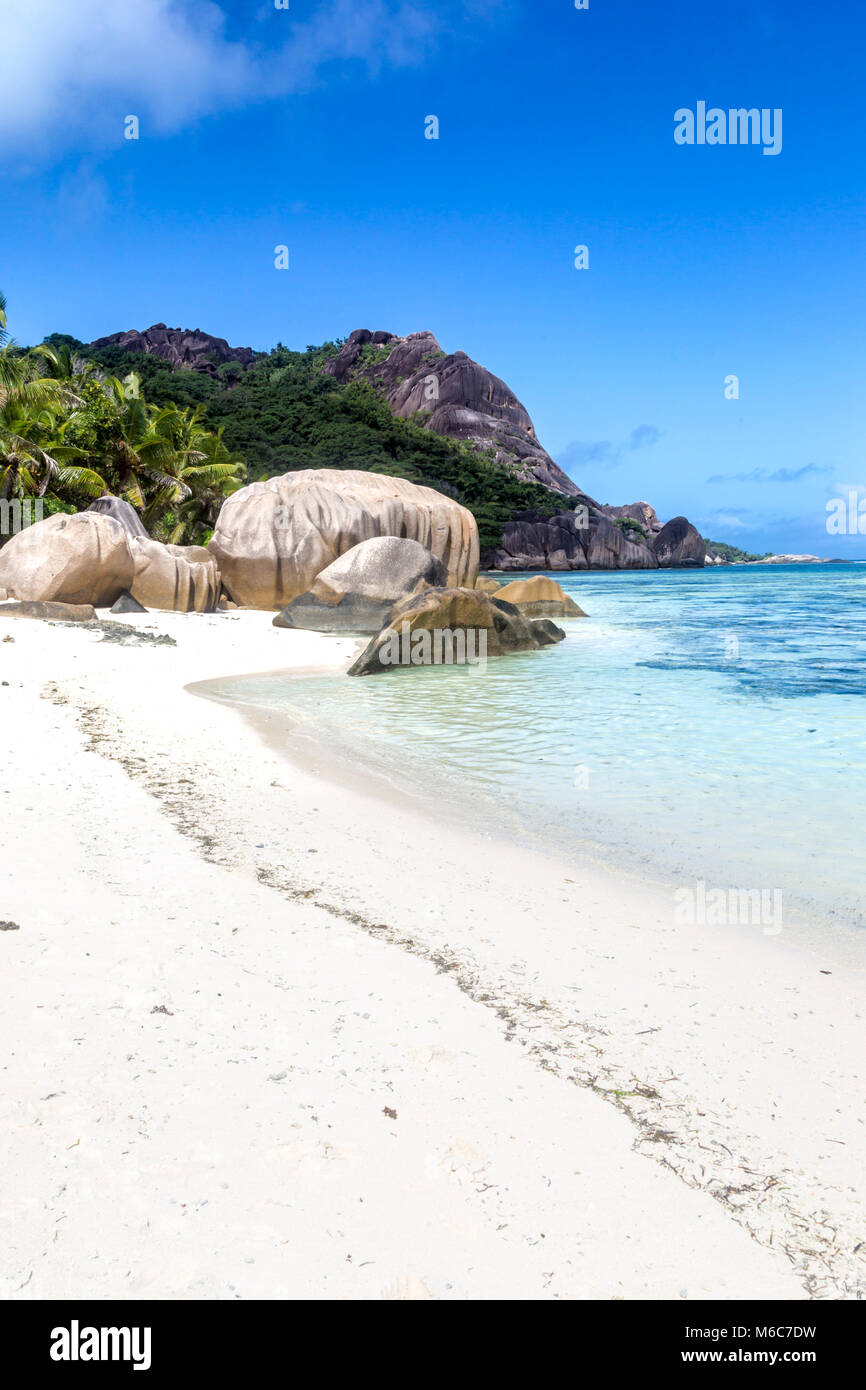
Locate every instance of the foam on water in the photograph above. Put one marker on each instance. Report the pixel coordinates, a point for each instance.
(699, 724)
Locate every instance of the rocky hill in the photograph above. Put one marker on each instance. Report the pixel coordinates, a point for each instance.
(404, 406)
(181, 347)
(455, 396)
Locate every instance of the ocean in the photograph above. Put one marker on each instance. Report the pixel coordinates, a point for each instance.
(699, 726)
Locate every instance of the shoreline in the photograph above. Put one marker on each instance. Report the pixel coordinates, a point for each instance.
(821, 931)
(612, 1074)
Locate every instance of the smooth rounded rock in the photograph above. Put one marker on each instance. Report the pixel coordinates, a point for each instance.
(84, 558)
(273, 538)
(177, 578)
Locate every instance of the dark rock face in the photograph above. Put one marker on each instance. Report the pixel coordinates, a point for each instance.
(679, 544)
(583, 539)
(124, 512)
(641, 512)
(587, 538)
(452, 626)
(182, 347)
(460, 398)
(127, 604)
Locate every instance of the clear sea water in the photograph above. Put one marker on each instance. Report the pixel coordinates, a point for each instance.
(696, 725)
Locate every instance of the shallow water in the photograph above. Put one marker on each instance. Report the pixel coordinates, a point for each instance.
(698, 724)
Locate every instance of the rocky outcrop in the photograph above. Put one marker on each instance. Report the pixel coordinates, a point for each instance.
(452, 627)
(69, 559)
(791, 560)
(585, 538)
(178, 578)
(357, 592)
(273, 538)
(452, 395)
(540, 597)
(589, 537)
(641, 512)
(49, 612)
(609, 547)
(181, 347)
(679, 545)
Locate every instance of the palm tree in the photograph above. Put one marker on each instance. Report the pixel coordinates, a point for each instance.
(66, 426)
(197, 478)
(27, 421)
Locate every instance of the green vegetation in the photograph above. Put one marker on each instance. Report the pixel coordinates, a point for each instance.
(630, 527)
(283, 413)
(732, 553)
(70, 432)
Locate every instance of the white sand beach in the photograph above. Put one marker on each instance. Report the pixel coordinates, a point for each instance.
(268, 1032)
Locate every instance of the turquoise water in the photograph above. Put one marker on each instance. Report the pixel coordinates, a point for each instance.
(698, 724)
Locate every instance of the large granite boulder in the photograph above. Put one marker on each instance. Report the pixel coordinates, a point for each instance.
(452, 627)
(679, 544)
(273, 538)
(531, 541)
(84, 558)
(121, 511)
(358, 590)
(609, 548)
(540, 597)
(179, 578)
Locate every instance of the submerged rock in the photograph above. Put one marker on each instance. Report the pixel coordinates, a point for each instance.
(453, 626)
(540, 597)
(273, 538)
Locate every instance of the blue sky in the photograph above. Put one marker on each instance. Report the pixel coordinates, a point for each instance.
(305, 127)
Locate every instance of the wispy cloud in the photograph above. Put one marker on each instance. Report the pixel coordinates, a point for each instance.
(69, 69)
(603, 451)
(644, 436)
(779, 475)
(576, 454)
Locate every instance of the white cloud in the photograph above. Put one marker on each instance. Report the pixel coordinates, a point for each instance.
(72, 69)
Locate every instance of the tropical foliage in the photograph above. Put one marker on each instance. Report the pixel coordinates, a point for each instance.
(76, 422)
(283, 412)
(70, 431)
(732, 553)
